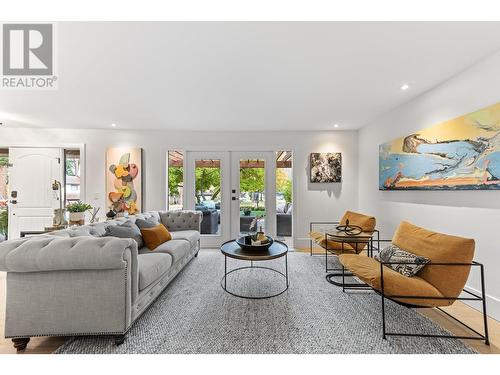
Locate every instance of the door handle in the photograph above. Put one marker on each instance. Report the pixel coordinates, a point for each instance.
(13, 201)
(235, 199)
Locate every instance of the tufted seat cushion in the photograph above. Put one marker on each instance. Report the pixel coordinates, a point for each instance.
(178, 249)
(189, 235)
(151, 267)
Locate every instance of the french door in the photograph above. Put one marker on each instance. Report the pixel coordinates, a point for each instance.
(253, 192)
(235, 191)
(207, 189)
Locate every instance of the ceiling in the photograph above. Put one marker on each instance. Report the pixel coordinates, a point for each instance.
(244, 76)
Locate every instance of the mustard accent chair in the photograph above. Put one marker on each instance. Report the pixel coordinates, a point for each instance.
(439, 283)
(367, 223)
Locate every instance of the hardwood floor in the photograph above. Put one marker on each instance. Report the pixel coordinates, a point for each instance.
(45, 345)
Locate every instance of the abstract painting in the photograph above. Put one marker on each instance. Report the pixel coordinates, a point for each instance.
(326, 167)
(459, 154)
(124, 179)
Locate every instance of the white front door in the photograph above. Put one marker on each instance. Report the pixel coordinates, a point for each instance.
(253, 192)
(32, 201)
(207, 189)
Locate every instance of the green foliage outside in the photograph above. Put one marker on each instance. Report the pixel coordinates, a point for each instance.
(287, 191)
(4, 161)
(4, 222)
(207, 180)
(4, 213)
(174, 180)
(71, 167)
(252, 180)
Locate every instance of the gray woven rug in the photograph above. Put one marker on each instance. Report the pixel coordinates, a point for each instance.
(194, 315)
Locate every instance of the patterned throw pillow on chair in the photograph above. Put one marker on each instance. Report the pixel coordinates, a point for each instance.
(393, 253)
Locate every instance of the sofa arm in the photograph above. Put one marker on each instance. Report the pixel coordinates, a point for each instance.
(182, 220)
(50, 253)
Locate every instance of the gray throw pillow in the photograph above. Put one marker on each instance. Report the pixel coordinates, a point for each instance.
(126, 230)
(146, 223)
(83, 231)
(393, 253)
(98, 229)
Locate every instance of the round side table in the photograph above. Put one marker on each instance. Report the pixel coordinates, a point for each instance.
(232, 250)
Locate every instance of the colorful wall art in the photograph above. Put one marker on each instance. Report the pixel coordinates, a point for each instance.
(459, 154)
(326, 167)
(124, 179)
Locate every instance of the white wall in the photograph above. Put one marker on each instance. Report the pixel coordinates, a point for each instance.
(474, 214)
(312, 201)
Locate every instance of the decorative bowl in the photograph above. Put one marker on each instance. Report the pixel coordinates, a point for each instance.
(245, 243)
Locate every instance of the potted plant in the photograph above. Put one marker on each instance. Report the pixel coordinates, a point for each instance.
(77, 212)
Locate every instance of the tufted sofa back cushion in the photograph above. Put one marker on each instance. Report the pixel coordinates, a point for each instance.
(181, 220)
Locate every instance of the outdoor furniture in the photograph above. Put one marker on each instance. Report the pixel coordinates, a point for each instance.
(440, 283)
(284, 225)
(245, 222)
(210, 221)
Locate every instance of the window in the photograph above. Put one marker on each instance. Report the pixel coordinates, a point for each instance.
(284, 194)
(72, 175)
(4, 192)
(175, 180)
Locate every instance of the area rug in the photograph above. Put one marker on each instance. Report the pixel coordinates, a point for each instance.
(195, 315)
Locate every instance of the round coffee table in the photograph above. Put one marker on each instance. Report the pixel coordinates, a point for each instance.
(232, 250)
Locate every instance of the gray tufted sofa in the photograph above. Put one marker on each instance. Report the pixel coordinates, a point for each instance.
(77, 282)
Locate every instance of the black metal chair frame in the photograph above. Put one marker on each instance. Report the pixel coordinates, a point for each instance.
(474, 297)
(333, 273)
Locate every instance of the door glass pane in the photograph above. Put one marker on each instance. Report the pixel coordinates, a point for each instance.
(72, 175)
(208, 194)
(284, 204)
(4, 193)
(175, 180)
(252, 195)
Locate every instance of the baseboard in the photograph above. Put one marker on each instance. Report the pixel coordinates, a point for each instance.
(492, 304)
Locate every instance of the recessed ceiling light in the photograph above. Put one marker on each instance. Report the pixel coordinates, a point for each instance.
(405, 87)
(336, 125)
(113, 125)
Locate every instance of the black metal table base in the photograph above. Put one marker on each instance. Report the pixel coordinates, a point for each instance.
(284, 275)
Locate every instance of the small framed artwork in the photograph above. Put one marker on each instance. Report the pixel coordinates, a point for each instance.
(124, 179)
(326, 167)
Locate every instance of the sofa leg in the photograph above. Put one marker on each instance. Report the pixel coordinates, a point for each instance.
(21, 343)
(119, 339)
(196, 255)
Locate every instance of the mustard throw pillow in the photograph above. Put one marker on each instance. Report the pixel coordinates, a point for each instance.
(155, 236)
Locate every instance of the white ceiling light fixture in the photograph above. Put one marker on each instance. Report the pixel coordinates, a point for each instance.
(113, 125)
(336, 125)
(405, 87)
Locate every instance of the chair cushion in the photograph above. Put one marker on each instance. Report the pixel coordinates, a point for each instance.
(367, 223)
(189, 235)
(178, 249)
(333, 246)
(439, 248)
(155, 236)
(151, 266)
(368, 270)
